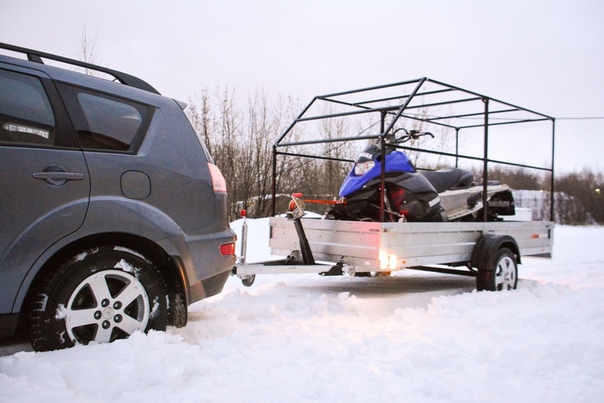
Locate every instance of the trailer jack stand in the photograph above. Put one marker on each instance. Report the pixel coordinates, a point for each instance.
(296, 212)
(336, 270)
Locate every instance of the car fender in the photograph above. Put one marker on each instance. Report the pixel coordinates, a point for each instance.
(28, 249)
(127, 217)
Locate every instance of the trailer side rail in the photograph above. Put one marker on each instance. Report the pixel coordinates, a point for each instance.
(374, 246)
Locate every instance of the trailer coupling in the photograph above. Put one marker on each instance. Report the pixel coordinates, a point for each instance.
(247, 272)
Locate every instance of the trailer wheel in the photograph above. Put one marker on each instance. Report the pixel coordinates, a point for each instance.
(373, 274)
(247, 281)
(503, 276)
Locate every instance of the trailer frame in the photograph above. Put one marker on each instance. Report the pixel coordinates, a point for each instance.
(489, 251)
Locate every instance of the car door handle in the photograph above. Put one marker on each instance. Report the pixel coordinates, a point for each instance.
(57, 176)
(63, 176)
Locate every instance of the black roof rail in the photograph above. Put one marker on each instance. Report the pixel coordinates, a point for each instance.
(126, 79)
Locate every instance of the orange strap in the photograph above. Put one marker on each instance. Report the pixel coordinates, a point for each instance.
(317, 201)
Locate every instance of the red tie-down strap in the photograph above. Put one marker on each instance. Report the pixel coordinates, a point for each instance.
(317, 201)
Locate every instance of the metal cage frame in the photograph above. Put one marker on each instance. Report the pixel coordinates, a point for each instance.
(408, 96)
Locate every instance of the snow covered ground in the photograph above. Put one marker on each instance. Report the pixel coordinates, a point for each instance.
(412, 337)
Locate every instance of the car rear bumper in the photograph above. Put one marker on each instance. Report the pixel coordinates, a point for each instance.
(205, 269)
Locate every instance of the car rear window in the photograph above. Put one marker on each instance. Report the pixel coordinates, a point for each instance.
(112, 123)
(104, 122)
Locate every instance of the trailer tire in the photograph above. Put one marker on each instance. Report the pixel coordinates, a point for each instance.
(502, 276)
(373, 274)
(248, 281)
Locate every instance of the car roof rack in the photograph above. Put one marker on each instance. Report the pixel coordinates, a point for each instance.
(124, 78)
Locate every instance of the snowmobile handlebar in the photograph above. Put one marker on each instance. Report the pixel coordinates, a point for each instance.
(409, 135)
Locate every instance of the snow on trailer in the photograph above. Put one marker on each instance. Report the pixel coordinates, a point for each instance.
(395, 211)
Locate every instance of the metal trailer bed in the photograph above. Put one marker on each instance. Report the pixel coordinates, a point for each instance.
(371, 247)
(374, 247)
(488, 250)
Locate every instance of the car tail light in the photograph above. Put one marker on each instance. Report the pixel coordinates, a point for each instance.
(218, 182)
(227, 249)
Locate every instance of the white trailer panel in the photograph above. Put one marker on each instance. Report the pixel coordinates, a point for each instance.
(374, 246)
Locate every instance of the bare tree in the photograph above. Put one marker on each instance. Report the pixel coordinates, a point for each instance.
(239, 137)
(87, 51)
(584, 203)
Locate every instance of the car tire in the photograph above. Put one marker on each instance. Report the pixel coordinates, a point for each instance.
(99, 295)
(502, 276)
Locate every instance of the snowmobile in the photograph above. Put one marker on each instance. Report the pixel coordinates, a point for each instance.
(448, 194)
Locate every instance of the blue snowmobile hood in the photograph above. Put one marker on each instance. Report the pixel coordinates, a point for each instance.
(396, 161)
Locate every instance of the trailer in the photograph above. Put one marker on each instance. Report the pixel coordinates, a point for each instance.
(488, 247)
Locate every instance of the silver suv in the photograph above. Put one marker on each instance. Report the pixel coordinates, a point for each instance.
(113, 217)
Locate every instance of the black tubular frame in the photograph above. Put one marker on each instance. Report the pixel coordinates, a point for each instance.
(38, 56)
(411, 95)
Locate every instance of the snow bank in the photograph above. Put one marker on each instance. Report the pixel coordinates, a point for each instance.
(410, 337)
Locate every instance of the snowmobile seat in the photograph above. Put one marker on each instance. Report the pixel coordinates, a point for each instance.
(449, 179)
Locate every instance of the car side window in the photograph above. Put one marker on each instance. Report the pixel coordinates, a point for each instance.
(104, 122)
(26, 117)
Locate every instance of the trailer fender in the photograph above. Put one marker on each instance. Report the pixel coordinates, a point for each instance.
(486, 249)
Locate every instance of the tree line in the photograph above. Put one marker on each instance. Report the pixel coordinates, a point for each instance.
(239, 134)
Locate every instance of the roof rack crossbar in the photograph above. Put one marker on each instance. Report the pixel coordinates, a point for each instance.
(370, 101)
(469, 115)
(342, 114)
(510, 122)
(377, 87)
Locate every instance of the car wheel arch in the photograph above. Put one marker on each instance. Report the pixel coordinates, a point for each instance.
(171, 269)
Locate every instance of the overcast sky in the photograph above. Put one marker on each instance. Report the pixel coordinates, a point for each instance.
(545, 55)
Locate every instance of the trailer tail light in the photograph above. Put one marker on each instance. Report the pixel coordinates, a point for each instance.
(387, 262)
(227, 249)
(218, 182)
